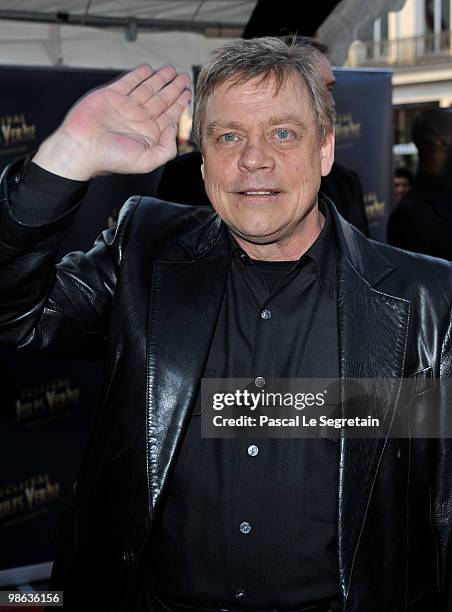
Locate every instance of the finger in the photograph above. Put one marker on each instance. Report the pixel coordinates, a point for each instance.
(127, 83)
(174, 112)
(166, 97)
(146, 89)
(161, 152)
(171, 91)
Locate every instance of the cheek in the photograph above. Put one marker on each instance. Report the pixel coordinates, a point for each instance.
(210, 175)
(220, 174)
(298, 168)
(214, 170)
(297, 172)
(214, 183)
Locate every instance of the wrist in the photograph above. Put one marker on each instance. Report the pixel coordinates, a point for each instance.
(63, 156)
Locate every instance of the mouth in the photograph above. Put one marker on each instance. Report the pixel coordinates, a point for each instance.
(259, 193)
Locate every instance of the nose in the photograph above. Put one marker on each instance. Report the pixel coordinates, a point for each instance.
(256, 155)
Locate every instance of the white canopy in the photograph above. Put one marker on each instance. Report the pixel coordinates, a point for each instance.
(192, 13)
(120, 34)
(33, 44)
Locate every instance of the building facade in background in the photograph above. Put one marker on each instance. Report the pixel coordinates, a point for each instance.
(416, 43)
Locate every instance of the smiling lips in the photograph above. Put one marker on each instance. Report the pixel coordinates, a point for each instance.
(259, 192)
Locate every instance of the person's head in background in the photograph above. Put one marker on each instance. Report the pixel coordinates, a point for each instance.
(432, 135)
(322, 59)
(403, 181)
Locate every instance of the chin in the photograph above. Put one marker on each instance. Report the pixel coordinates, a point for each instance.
(267, 236)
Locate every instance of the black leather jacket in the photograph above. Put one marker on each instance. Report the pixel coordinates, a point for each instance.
(146, 298)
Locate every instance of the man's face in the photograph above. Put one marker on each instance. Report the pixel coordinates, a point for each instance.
(262, 159)
(401, 186)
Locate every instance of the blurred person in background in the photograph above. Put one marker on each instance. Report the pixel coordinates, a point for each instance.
(422, 221)
(403, 181)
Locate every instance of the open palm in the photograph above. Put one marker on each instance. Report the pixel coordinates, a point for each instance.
(128, 126)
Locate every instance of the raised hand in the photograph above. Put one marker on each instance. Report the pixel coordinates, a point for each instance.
(127, 127)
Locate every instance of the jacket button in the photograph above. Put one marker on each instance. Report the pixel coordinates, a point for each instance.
(240, 594)
(128, 556)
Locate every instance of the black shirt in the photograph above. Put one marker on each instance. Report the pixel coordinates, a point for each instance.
(248, 530)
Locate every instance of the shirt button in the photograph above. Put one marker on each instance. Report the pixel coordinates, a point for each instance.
(266, 314)
(259, 381)
(244, 257)
(128, 556)
(252, 450)
(245, 527)
(240, 594)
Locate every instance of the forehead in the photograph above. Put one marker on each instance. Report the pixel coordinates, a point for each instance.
(258, 96)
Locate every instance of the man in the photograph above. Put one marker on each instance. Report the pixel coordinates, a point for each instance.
(422, 221)
(272, 283)
(403, 181)
(181, 179)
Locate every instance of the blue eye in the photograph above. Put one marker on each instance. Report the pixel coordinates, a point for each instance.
(283, 134)
(229, 137)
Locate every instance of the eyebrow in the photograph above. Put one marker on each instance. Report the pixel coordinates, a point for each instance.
(287, 119)
(214, 126)
(277, 120)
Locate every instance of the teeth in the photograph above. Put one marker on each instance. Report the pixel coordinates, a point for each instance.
(258, 192)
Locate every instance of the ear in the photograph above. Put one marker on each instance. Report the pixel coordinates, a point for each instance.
(202, 169)
(327, 154)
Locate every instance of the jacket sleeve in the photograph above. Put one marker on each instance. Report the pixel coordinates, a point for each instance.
(62, 308)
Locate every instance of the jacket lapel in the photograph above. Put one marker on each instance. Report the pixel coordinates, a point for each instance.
(373, 329)
(185, 302)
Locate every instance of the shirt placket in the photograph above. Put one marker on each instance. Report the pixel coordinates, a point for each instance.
(246, 530)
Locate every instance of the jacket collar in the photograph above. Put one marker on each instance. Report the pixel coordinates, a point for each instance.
(362, 256)
(359, 251)
(199, 241)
